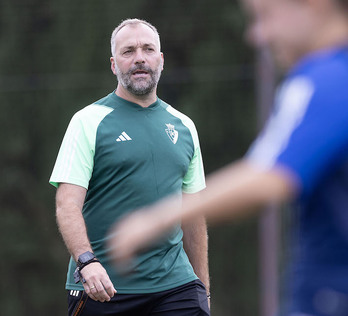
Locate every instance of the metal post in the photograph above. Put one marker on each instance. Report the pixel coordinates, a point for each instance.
(269, 219)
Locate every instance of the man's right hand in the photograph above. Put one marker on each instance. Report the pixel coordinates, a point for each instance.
(98, 285)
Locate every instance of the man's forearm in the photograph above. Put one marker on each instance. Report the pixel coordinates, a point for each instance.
(196, 246)
(70, 199)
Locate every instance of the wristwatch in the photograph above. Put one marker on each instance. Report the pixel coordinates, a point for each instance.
(85, 259)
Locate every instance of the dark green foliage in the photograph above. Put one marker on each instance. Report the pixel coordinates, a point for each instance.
(54, 60)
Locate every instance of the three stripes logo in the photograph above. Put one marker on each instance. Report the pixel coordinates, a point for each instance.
(123, 137)
(74, 293)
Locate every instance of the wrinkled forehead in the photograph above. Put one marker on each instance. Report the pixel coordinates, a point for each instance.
(133, 35)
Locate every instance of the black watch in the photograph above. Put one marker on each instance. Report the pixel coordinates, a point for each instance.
(85, 258)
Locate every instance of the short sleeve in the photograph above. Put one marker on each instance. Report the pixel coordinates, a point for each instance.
(307, 134)
(194, 179)
(75, 159)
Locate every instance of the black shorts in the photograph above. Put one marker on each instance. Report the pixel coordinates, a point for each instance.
(186, 300)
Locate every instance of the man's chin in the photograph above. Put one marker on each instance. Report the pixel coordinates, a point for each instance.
(140, 91)
(139, 83)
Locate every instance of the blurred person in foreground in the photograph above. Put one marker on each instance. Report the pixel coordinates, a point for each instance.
(127, 150)
(300, 156)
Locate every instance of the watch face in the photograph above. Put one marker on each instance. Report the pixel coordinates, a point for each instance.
(86, 257)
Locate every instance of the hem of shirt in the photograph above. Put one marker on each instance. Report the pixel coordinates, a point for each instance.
(194, 190)
(74, 181)
(76, 287)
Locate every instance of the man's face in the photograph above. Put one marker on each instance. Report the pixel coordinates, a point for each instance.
(284, 26)
(138, 62)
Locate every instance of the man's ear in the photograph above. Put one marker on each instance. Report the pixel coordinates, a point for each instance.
(112, 66)
(162, 57)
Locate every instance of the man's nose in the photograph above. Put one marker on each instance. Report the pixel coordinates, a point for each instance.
(139, 56)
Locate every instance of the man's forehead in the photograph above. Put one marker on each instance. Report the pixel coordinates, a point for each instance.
(136, 34)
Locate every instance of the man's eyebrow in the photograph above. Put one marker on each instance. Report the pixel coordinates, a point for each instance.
(142, 45)
(127, 47)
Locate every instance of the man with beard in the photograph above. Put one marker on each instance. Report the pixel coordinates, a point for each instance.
(127, 150)
(301, 155)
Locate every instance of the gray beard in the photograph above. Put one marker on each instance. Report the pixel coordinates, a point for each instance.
(139, 86)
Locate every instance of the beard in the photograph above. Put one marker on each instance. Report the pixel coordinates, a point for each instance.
(139, 86)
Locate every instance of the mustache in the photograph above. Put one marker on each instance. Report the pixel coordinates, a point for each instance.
(140, 67)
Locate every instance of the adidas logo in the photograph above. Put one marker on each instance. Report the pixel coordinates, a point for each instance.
(123, 137)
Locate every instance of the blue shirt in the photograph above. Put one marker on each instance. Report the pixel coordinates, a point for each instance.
(308, 135)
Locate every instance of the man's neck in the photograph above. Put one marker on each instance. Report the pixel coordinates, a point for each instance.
(332, 35)
(142, 100)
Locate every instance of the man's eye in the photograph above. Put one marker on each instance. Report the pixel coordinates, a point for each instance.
(127, 52)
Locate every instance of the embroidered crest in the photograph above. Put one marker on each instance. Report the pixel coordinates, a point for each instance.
(172, 133)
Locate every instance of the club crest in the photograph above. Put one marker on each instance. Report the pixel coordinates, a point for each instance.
(172, 133)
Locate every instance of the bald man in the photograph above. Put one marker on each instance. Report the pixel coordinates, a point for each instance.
(124, 151)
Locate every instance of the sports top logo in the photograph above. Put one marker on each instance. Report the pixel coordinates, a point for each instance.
(172, 133)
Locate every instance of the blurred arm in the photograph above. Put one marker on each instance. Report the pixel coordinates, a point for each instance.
(238, 188)
(231, 192)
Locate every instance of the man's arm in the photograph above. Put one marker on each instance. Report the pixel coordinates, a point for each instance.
(231, 192)
(69, 203)
(196, 245)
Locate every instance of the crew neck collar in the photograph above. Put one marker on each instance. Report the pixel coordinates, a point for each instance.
(133, 104)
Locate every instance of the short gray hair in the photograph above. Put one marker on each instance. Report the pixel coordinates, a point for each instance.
(129, 22)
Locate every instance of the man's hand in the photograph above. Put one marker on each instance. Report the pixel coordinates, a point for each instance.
(98, 285)
(139, 229)
(130, 235)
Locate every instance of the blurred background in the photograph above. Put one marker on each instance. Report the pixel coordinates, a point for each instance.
(54, 60)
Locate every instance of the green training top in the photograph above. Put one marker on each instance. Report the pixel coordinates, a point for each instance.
(127, 156)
